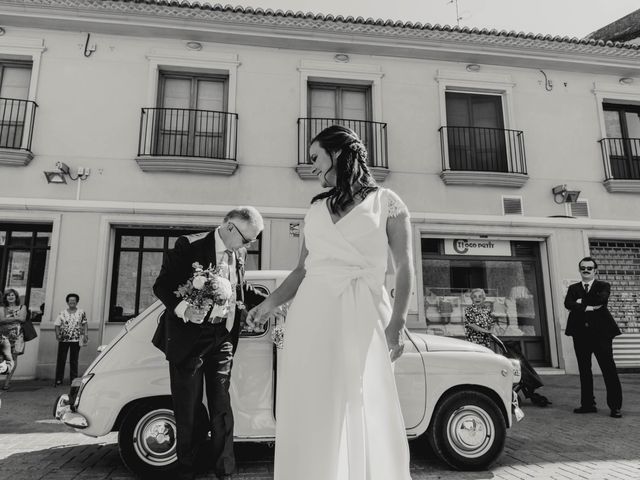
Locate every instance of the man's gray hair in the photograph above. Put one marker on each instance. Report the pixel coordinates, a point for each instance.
(249, 214)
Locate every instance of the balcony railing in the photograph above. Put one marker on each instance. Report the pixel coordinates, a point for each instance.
(183, 132)
(16, 123)
(621, 157)
(482, 149)
(372, 134)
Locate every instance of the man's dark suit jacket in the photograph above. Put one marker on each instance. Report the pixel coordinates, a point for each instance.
(174, 336)
(598, 323)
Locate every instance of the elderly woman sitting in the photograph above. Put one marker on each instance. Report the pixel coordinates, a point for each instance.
(478, 319)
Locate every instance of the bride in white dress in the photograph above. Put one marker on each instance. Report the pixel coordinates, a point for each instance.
(337, 414)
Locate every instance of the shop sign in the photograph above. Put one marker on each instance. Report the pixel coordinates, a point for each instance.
(477, 246)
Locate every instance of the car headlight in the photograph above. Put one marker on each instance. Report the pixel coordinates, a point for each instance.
(77, 385)
(517, 372)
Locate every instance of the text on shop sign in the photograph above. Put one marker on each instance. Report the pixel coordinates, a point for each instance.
(477, 246)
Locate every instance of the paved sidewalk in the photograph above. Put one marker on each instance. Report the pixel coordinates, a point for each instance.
(550, 443)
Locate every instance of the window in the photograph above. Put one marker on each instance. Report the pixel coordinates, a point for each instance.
(24, 262)
(622, 142)
(137, 261)
(15, 109)
(348, 105)
(509, 272)
(191, 118)
(475, 132)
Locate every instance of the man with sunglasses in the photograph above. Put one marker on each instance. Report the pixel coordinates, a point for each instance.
(593, 328)
(200, 346)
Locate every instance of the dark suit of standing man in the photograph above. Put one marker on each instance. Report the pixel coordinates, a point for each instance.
(593, 328)
(198, 345)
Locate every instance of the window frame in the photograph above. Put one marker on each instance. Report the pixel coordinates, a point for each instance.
(478, 83)
(7, 247)
(142, 232)
(192, 122)
(340, 87)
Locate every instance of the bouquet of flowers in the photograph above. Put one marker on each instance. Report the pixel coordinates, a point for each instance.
(207, 289)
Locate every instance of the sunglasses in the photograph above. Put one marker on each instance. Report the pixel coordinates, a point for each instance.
(588, 269)
(244, 239)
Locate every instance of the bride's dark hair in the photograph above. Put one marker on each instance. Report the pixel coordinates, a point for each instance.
(352, 174)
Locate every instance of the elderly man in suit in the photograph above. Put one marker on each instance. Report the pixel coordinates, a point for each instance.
(593, 328)
(198, 345)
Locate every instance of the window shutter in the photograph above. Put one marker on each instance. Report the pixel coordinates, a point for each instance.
(512, 205)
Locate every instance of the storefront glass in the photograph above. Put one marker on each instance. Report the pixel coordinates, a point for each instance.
(509, 273)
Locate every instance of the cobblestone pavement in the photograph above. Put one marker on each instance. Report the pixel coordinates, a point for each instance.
(550, 443)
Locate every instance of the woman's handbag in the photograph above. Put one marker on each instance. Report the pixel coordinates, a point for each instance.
(28, 331)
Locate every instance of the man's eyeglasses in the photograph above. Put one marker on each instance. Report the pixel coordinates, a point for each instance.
(244, 239)
(587, 269)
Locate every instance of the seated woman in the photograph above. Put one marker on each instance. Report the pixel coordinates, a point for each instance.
(478, 319)
(6, 365)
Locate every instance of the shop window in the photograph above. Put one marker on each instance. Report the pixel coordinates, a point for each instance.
(24, 262)
(138, 258)
(511, 279)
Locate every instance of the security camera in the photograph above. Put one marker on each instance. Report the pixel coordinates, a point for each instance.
(63, 167)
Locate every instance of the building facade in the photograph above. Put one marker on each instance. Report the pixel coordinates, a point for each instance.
(161, 117)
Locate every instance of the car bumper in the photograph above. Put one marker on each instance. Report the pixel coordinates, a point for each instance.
(62, 411)
(516, 411)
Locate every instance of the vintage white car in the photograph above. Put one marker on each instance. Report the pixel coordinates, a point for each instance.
(457, 394)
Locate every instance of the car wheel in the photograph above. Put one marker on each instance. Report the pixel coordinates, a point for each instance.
(147, 438)
(468, 430)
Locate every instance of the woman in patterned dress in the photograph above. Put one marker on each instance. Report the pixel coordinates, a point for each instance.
(478, 319)
(12, 314)
(71, 329)
(337, 410)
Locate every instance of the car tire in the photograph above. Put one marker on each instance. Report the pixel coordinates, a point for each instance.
(468, 431)
(147, 438)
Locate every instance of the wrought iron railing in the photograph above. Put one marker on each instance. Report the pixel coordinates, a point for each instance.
(372, 134)
(184, 132)
(483, 149)
(621, 157)
(17, 118)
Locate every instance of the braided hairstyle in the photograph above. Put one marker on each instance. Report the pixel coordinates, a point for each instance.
(353, 177)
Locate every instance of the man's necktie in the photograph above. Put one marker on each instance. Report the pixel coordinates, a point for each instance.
(586, 288)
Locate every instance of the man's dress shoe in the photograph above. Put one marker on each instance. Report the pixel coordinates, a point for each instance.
(615, 413)
(583, 409)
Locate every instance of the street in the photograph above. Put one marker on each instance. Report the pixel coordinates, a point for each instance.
(550, 443)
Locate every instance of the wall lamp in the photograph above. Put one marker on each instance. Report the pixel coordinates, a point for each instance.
(63, 170)
(562, 195)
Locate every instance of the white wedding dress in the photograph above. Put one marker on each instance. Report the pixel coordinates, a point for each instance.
(338, 415)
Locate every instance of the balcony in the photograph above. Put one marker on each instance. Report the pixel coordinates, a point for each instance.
(17, 118)
(188, 141)
(372, 134)
(621, 157)
(483, 156)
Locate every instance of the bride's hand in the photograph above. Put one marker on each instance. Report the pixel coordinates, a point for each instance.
(395, 341)
(258, 316)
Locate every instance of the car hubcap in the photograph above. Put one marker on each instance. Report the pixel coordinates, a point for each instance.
(154, 438)
(470, 431)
